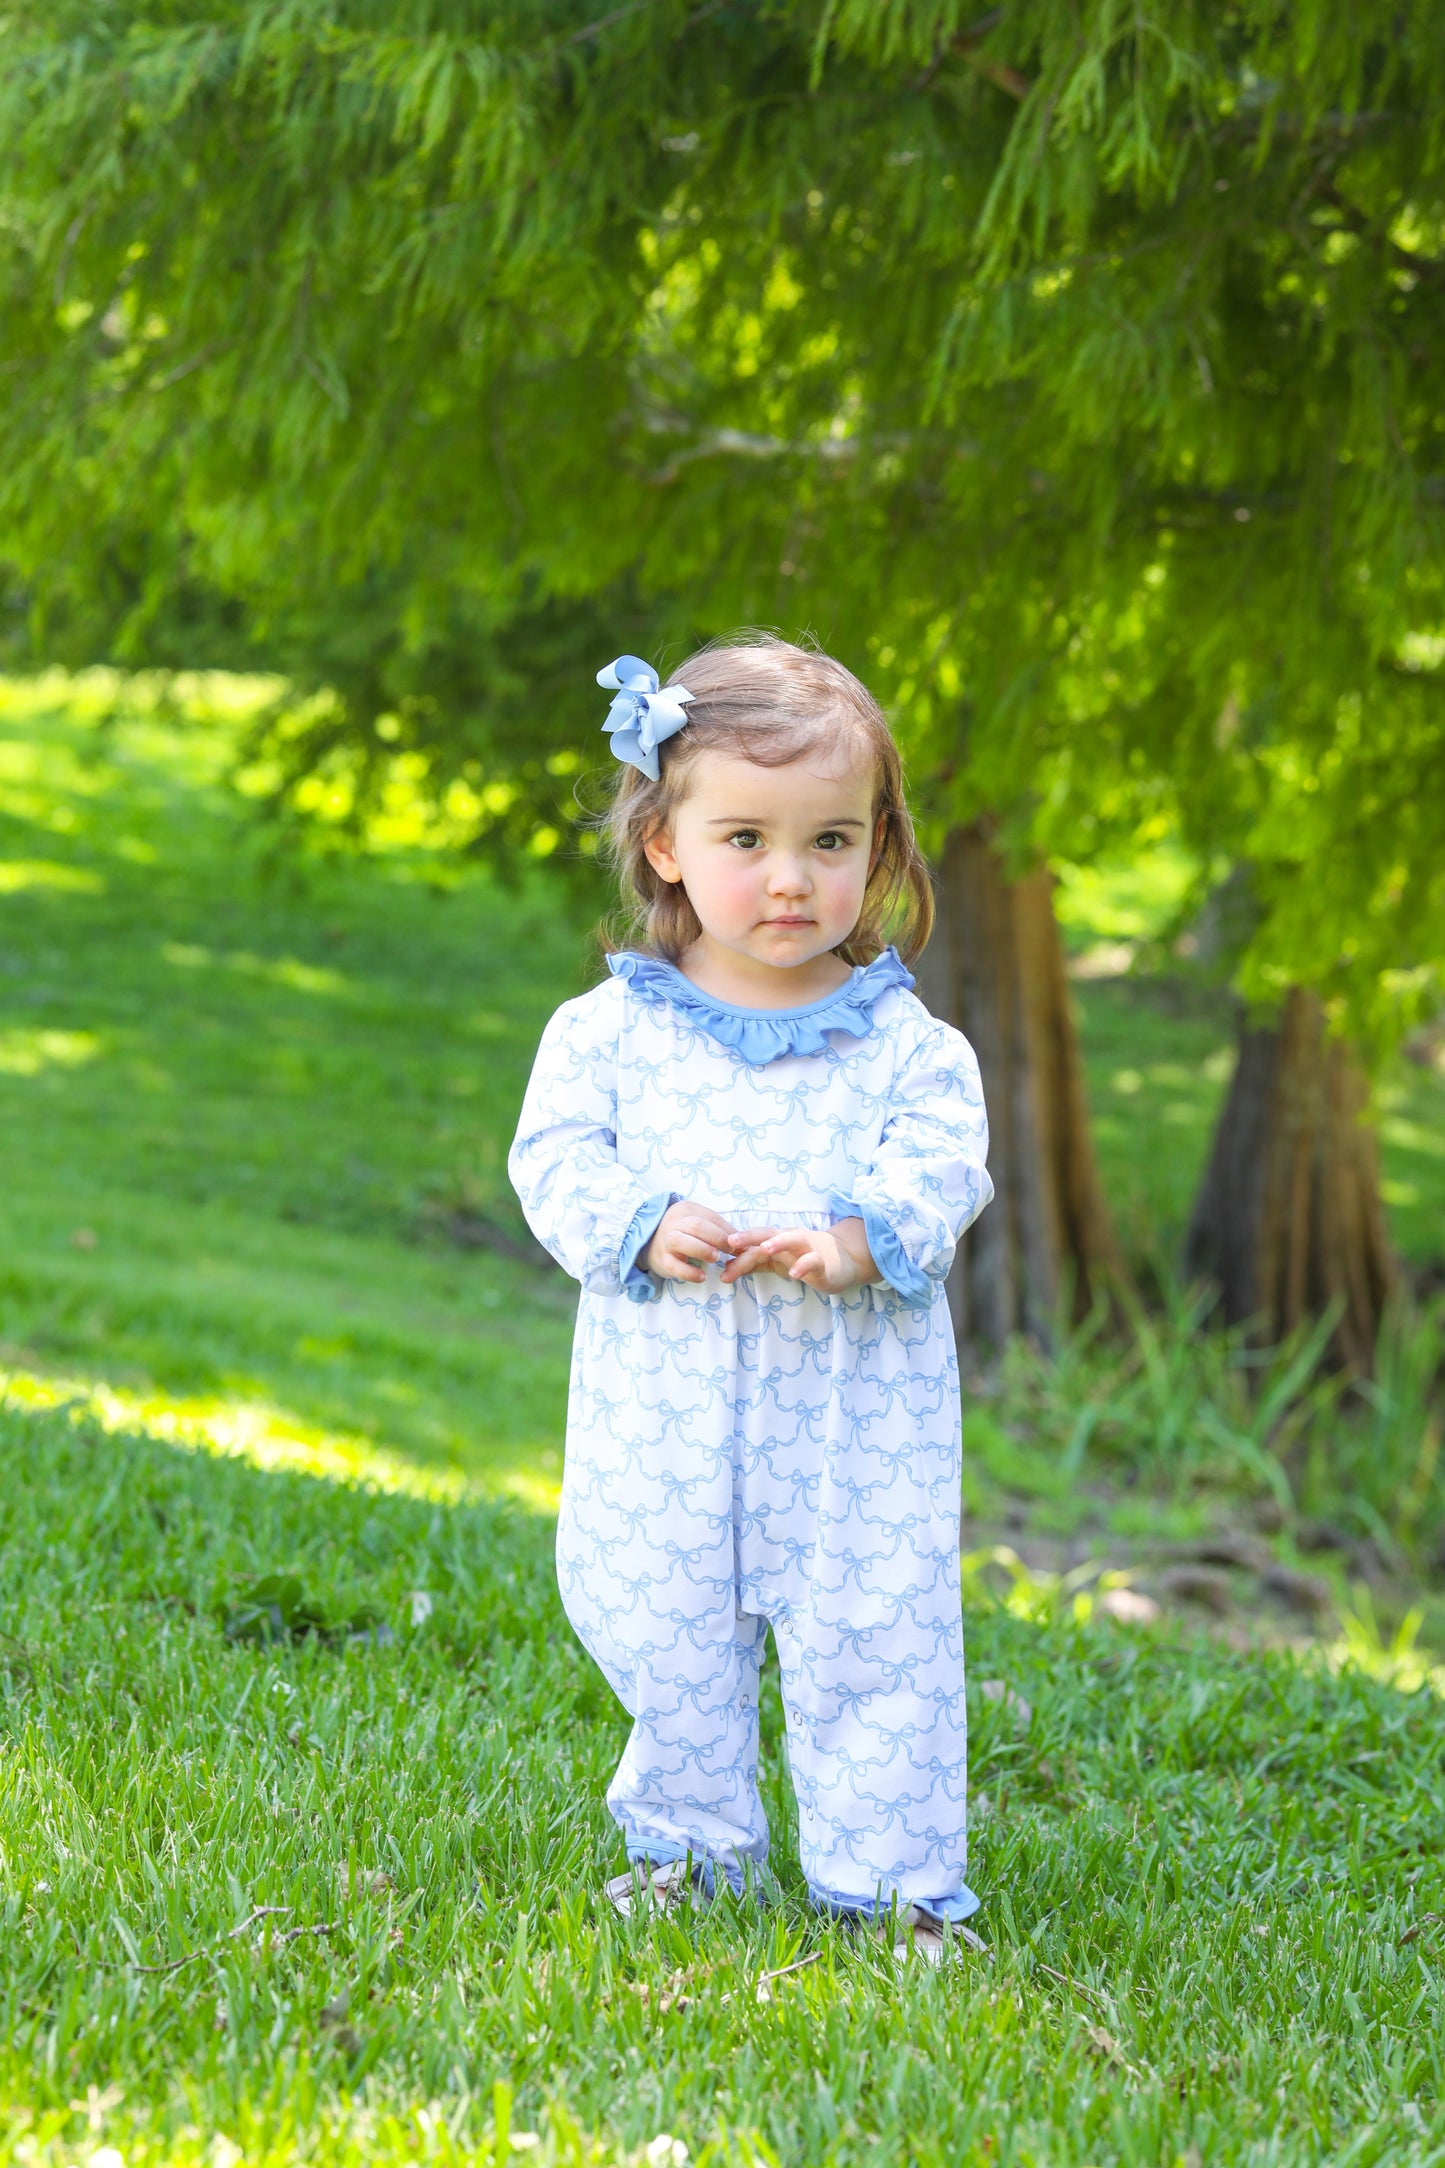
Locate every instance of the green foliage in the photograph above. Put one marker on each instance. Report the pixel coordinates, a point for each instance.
(1072, 371)
(1204, 1419)
(342, 1904)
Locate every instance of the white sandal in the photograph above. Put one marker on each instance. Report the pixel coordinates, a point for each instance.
(935, 1941)
(920, 1935)
(667, 1888)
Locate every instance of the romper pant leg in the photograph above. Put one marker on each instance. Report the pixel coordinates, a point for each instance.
(688, 1779)
(850, 1545)
(646, 1560)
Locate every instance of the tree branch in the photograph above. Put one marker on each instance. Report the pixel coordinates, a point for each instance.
(997, 72)
(605, 22)
(184, 369)
(748, 444)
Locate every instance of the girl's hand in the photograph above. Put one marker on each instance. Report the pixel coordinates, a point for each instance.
(687, 1238)
(830, 1259)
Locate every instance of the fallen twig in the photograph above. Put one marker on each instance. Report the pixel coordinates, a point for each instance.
(1428, 1919)
(262, 1912)
(764, 1980)
(322, 1927)
(1077, 1985)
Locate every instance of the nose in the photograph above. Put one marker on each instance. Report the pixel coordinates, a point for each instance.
(788, 876)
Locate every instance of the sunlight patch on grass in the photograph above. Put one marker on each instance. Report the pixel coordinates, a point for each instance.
(28, 1052)
(1397, 1662)
(18, 874)
(267, 1437)
(302, 978)
(340, 2136)
(1088, 1594)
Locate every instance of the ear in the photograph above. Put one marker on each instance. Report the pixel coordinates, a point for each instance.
(660, 855)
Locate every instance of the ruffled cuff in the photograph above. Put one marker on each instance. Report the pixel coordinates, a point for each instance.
(640, 1230)
(911, 1285)
(958, 1907)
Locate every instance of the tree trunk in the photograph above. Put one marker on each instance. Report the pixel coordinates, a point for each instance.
(1288, 1219)
(995, 968)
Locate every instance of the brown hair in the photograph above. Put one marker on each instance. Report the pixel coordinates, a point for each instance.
(763, 699)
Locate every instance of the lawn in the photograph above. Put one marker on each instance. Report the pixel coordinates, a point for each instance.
(259, 1098)
(1213, 1881)
(332, 1895)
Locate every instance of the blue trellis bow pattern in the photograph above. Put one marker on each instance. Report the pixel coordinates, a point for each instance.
(755, 1455)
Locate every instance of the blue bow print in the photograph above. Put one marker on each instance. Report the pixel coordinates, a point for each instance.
(641, 717)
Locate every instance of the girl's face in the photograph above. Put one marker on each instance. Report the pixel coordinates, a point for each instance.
(774, 860)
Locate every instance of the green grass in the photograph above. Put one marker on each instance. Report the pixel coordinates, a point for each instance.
(248, 1096)
(249, 1101)
(1209, 1878)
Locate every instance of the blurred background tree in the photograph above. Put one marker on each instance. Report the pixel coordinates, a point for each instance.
(1069, 370)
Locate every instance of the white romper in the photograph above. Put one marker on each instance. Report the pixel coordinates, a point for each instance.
(762, 1455)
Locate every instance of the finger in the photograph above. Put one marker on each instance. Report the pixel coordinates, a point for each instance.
(740, 1267)
(810, 1261)
(697, 1247)
(707, 1221)
(702, 1238)
(703, 1220)
(750, 1237)
(787, 1244)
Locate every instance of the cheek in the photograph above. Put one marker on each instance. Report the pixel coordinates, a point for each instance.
(846, 879)
(724, 877)
(739, 878)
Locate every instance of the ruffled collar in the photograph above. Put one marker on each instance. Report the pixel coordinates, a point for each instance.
(762, 1035)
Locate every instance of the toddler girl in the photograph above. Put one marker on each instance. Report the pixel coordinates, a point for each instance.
(756, 1150)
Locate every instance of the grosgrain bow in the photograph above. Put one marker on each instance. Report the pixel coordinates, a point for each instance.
(641, 717)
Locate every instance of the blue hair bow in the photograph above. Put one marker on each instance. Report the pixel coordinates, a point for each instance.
(641, 717)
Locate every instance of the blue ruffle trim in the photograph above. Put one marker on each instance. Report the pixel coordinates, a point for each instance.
(640, 1230)
(762, 1035)
(913, 1287)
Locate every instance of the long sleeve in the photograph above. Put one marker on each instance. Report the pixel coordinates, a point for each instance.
(928, 1180)
(592, 1215)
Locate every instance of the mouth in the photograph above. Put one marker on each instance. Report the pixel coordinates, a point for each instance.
(794, 919)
